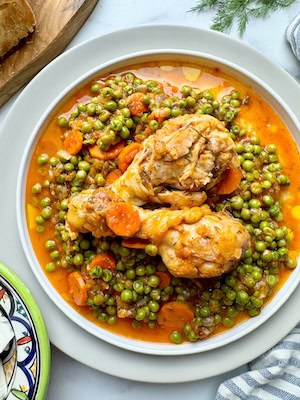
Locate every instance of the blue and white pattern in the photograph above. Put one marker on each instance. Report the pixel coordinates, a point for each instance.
(22, 363)
(274, 375)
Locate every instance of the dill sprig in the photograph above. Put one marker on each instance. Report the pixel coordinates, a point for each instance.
(229, 11)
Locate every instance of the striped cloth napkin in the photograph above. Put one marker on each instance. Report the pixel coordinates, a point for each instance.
(293, 36)
(274, 375)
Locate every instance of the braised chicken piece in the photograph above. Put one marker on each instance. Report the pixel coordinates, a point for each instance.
(193, 243)
(179, 163)
(86, 212)
(196, 242)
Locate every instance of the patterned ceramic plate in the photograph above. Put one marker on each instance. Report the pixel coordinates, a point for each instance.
(27, 362)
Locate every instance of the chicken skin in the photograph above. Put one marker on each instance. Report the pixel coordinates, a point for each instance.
(86, 212)
(196, 242)
(193, 243)
(179, 163)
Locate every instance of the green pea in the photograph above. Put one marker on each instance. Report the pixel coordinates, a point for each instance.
(40, 229)
(282, 252)
(271, 148)
(272, 280)
(237, 203)
(153, 306)
(36, 189)
(43, 159)
(84, 165)
(153, 281)
(78, 259)
(138, 286)
(86, 127)
(111, 106)
(130, 274)
(154, 293)
(207, 108)
(153, 125)
(126, 295)
(50, 267)
(125, 132)
(228, 322)
(129, 123)
(248, 156)
(291, 263)
(116, 124)
(255, 140)
(274, 210)
(50, 245)
(39, 220)
(242, 297)
(125, 112)
(239, 148)
(186, 91)
(53, 161)
(96, 272)
(151, 250)
(54, 255)
(62, 122)
(248, 165)
(267, 256)
(254, 203)
(150, 269)
(260, 246)
(266, 184)
(190, 101)
(175, 112)
(81, 107)
(46, 212)
(104, 116)
(107, 275)
(100, 181)
(234, 94)
(176, 337)
(283, 180)
(140, 314)
(95, 88)
(256, 188)
(140, 270)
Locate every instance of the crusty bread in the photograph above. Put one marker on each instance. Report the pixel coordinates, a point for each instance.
(16, 22)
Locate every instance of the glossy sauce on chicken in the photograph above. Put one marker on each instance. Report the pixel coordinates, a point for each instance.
(254, 116)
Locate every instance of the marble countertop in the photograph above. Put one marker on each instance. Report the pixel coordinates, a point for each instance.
(69, 378)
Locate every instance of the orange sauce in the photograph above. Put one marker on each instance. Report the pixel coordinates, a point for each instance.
(258, 113)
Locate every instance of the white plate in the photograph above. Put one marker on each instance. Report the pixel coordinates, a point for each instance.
(16, 129)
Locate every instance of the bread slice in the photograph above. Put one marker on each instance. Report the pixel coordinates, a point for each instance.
(16, 22)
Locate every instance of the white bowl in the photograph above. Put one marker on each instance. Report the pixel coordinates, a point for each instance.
(214, 342)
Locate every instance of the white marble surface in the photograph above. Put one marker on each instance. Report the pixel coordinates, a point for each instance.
(70, 379)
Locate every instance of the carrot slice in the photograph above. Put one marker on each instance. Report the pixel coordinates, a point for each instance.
(230, 181)
(135, 104)
(110, 154)
(174, 315)
(123, 219)
(165, 279)
(112, 176)
(77, 288)
(73, 142)
(104, 260)
(134, 243)
(127, 155)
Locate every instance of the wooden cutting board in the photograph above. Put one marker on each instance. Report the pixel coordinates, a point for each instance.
(57, 22)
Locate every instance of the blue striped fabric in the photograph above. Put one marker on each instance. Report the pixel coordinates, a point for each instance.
(274, 375)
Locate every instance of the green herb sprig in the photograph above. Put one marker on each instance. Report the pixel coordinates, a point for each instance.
(240, 10)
